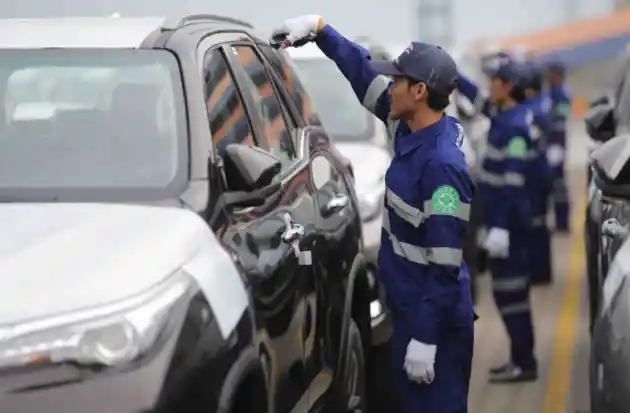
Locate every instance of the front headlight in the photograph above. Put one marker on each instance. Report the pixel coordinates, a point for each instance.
(371, 203)
(109, 335)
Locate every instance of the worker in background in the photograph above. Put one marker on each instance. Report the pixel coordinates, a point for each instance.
(540, 185)
(426, 212)
(556, 150)
(506, 207)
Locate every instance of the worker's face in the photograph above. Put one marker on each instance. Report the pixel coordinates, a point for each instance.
(405, 97)
(499, 90)
(554, 78)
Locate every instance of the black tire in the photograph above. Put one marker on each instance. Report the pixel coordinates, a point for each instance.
(352, 386)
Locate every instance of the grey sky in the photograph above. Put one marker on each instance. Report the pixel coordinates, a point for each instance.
(389, 20)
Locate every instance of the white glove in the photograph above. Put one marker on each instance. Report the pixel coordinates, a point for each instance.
(497, 243)
(419, 362)
(299, 27)
(555, 155)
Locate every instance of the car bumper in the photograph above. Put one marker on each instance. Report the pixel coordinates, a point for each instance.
(64, 390)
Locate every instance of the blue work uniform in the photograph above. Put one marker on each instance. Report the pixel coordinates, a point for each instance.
(426, 212)
(560, 112)
(502, 187)
(539, 188)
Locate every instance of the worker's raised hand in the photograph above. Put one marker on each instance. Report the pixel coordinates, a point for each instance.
(419, 362)
(294, 31)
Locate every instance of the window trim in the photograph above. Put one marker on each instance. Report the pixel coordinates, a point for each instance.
(287, 96)
(290, 123)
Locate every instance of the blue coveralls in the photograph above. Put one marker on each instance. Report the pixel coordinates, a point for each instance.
(426, 211)
(502, 187)
(539, 188)
(560, 112)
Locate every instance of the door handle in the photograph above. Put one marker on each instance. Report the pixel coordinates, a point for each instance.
(612, 228)
(335, 205)
(292, 235)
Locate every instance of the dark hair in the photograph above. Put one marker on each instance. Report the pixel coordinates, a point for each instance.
(435, 101)
(518, 94)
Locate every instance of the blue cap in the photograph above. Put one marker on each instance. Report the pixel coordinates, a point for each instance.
(535, 74)
(424, 63)
(506, 68)
(556, 66)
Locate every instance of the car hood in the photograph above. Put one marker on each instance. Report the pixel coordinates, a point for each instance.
(64, 257)
(369, 163)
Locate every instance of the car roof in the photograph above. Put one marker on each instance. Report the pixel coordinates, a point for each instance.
(77, 32)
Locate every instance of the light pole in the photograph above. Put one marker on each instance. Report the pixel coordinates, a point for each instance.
(435, 22)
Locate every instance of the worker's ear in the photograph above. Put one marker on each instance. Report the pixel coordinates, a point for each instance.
(419, 91)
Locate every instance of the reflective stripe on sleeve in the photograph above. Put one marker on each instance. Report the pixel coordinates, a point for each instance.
(407, 212)
(514, 179)
(462, 212)
(498, 180)
(496, 154)
(420, 255)
(374, 91)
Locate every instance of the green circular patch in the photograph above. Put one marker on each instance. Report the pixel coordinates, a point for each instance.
(445, 200)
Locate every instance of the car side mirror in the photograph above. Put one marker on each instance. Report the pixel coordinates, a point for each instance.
(248, 168)
(600, 119)
(249, 174)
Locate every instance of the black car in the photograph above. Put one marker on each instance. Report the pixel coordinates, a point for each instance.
(127, 145)
(608, 117)
(609, 219)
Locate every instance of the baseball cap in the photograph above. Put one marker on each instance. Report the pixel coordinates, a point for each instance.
(508, 69)
(424, 63)
(534, 74)
(556, 66)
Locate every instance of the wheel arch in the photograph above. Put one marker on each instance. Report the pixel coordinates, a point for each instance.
(247, 366)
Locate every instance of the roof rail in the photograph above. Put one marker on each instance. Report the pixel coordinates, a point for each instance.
(175, 23)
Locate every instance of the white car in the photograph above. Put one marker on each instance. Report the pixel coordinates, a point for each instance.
(358, 134)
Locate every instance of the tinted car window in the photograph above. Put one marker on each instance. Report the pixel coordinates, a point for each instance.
(82, 119)
(228, 119)
(269, 105)
(292, 84)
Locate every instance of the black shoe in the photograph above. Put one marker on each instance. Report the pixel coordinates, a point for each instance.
(511, 373)
(543, 281)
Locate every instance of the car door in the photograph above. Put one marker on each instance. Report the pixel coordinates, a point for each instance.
(264, 239)
(337, 240)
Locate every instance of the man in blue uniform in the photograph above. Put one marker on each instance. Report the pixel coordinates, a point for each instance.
(556, 151)
(540, 183)
(503, 180)
(427, 206)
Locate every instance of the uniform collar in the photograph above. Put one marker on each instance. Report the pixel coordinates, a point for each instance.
(411, 141)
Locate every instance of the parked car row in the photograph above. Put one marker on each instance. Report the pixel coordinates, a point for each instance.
(607, 227)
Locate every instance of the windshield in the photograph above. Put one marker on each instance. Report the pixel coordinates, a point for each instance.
(77, 119)
(339, 109)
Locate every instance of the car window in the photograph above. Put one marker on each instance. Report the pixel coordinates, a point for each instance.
(272, 113)
(81, 119)
(292, 83)
(227, 117)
